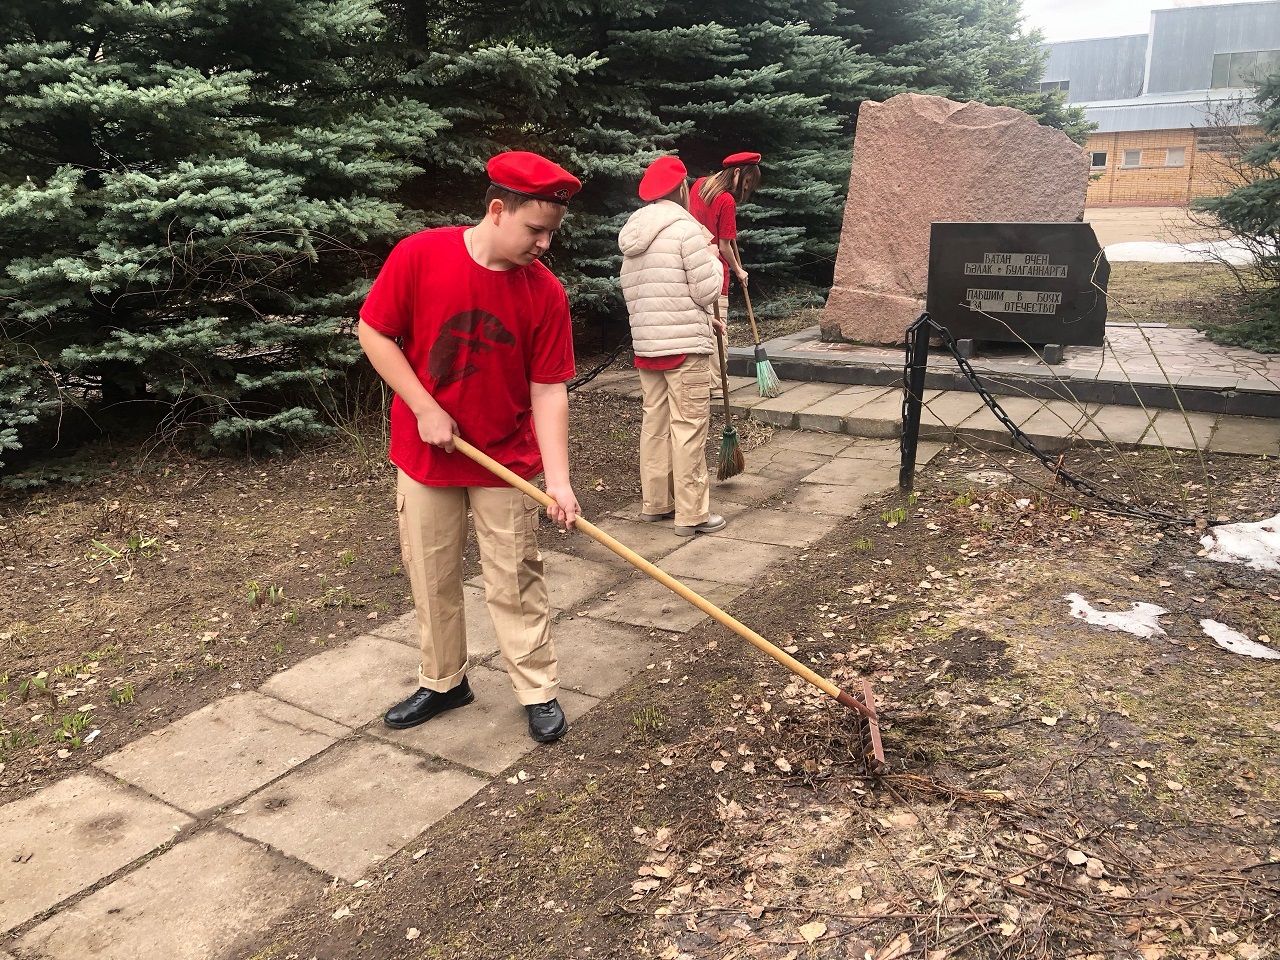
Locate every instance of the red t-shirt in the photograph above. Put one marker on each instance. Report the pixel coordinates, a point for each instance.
(720, 217)
(476, 338)
(660, 363)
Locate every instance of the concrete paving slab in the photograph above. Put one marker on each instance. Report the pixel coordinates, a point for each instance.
(830, 413)
(596, 656)
(208, 898)
(945, 411)
(846, 471)
(222, 751)
(351, 685)
(833, 500)
(781, 411)
(646, 603)
(879, 419)
(983, 424)
(1058, 424)
(68, 836)
(724, 560)
(651, 540)
(745, 398)
(1172, 428)
(825, 444)
(488, 735)
(784, 464)
(749, 489)
(481, 638)
(1119, 425)
(570, 579)
(344, 814)
(786, 529)
(889, 451)
(1246, 435)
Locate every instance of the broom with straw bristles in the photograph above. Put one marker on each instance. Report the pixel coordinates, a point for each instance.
(731, 461)
(766, 378)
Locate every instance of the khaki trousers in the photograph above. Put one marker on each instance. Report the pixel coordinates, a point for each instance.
(673, 440)
(433, 531)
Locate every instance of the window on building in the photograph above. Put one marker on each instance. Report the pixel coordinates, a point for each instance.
(1175, 157)
(1246, 69)
(1048, 85)
(1133, 158)
(1098, 159)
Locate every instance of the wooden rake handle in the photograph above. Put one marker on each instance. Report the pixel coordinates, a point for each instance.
(670, 582)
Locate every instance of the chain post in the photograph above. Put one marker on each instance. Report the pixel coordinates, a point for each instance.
(913, 372)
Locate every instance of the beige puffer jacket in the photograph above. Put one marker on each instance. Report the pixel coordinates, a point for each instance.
(670, 278)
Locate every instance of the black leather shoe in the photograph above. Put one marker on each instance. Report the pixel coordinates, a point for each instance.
(425, 704)
(547, 722)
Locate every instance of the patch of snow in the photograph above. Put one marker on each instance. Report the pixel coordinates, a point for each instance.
(1256, 545)
(1155, 251)
(1229, 639)
(1142, 621)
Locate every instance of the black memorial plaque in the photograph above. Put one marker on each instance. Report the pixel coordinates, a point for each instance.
(1014, 282)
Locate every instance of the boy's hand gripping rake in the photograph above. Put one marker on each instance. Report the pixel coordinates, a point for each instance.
(864, 709)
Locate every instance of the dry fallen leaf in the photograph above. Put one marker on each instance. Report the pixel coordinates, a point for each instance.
(1094, 868)
(343, 911)
(1173, 785)
(1049, 721)
(812, 931)
(717, 766)
(413, 933)
(782, 764)
(1076, 858)
(899, 946)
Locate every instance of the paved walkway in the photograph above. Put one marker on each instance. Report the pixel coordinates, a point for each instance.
(876, 412)
(188, 843)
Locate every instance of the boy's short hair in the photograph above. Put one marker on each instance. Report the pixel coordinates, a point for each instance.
(510, 201)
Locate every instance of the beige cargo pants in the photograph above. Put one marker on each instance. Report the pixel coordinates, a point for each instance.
(433, 531)
(673, 440)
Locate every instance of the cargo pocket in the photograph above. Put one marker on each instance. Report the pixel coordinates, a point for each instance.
(693, 398)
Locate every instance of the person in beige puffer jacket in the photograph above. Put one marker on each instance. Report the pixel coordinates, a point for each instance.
(671, 276)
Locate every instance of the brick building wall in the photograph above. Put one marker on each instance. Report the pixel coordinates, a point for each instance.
(1164, 168)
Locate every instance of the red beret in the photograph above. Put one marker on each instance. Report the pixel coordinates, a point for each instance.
(744, 159)
(662, 176)
(532, 176)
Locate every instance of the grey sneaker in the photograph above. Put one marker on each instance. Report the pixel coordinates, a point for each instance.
(710, 525)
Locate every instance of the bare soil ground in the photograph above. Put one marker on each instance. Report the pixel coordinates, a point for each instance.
(1055, 789)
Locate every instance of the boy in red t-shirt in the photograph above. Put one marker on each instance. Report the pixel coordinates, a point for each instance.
(472, 333)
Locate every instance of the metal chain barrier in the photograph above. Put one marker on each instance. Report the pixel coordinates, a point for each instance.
(578, 382)
(926, 326)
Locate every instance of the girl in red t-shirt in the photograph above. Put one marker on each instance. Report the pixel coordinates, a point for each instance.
(713, 201)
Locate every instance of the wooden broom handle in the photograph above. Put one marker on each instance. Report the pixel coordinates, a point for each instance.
(751, 315)
(668, 581)
(724, 363)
